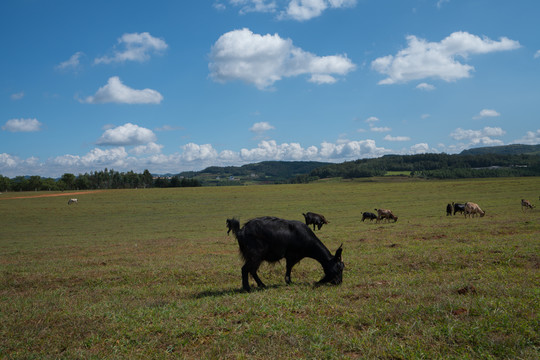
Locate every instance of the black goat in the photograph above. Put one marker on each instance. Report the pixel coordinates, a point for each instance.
(272, 239)
(460, 208)
(315, 219)
(368, 215)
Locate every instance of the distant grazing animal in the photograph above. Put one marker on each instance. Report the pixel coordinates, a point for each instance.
(460, 208)
(315, 219)
(73, 201)
(448, 209)
(369, 215)
(473, 209)
(385, 214)
(272, 239)
(526, 204)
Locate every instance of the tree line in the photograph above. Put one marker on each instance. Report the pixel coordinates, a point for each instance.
(440, 166)
(105, 179)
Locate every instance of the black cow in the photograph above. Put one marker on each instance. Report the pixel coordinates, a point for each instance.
(369, 215)
(448, 209)
(460, 208)
(272, 239)
(315, 219)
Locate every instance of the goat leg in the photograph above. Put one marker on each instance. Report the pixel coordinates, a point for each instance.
(245, 280)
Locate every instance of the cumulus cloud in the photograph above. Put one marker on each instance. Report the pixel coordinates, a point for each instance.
(380, 129)
(127, 134)
(421, 148)
(247, 6)
(422, 59)
(261, 127)
(302, 10)
(195, 152)
(530, 138)
(487, 113)
(116, 92)
(17, 96)
(264, 59)
(372, 119)
(134, 47)
(425, 86)
(441, 2)
(22, 125)
(150, 148)
(476, 137)
(396, 138)
(73, 63)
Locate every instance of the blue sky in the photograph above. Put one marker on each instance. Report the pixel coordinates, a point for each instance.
(171, 86)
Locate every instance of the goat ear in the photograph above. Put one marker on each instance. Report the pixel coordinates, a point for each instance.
(338, 252)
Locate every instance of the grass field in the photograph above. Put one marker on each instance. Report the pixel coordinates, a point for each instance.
(138, 274)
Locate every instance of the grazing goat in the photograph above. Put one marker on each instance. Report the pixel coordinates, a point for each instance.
(368, 215)
(526, 204)
(73, 201)
(385, 214)
(473, 209)
(448, 209)
(272, 239)
(460, 208)
(315, 219)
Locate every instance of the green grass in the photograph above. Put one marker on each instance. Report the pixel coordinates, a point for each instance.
(137, 274)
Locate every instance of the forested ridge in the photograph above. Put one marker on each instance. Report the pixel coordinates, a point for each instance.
(441, 166)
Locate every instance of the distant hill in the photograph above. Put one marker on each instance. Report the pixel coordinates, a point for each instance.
(513, 149)
(263, 172)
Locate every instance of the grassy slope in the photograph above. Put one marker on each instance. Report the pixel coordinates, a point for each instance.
(151, 273)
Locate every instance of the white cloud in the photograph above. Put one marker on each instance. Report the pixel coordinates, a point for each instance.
(247, 6)
(302, 10)
(17, 96)
(372, 119)
(351, 150)
(72, 63)
(169, 128)
(22, 125)
(422, 59)
(127, 134)
(380, 129)
(530, 138)
(322, 79)
(150, 148)
(537, 54)
(116, 92)
(264, 59)
(396, 138)
(482, 137)
(194, 152)
(441, 2)
(421, 148)
(261, 127)
(487, 113)
(134, 47)
(425, 86)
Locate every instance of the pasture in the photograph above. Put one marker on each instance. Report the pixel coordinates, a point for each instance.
(151, 273)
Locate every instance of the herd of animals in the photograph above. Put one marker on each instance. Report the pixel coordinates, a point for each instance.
(272, 239)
